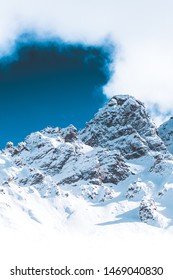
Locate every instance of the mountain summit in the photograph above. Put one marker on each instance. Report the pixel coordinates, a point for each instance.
(117, 168)
(124, 124)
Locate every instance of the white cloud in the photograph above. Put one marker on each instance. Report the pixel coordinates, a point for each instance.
(141, 29)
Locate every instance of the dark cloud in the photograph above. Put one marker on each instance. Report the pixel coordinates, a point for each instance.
(50, 83)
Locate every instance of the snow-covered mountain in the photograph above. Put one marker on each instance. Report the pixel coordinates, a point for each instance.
(117, 169)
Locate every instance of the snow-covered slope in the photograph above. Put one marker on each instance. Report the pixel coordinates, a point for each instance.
(116, 170)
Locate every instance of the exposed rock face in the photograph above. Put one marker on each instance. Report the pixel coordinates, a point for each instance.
(147, 210)
(58, 157)
(166, 134)
(124, 124)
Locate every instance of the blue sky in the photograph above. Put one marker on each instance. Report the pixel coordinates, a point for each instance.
(49, 82)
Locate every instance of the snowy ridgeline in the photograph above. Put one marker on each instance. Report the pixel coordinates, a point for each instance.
(118, 169)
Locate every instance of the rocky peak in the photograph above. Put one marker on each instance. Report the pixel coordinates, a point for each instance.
(70, 133)
(124, 124)
(166, 134)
